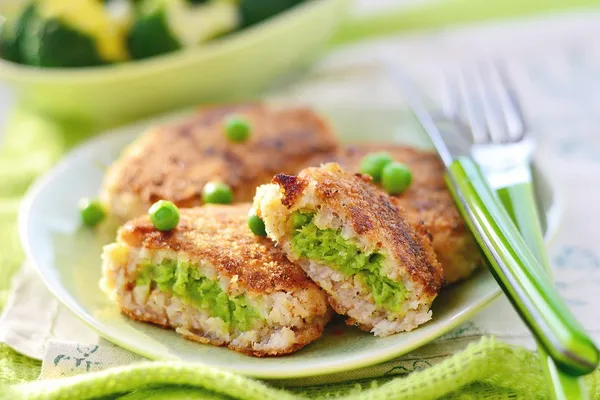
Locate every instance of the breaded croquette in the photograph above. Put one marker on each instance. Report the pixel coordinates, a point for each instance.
(352, 240)
(215, 282)
(427, 202)
(174, 162)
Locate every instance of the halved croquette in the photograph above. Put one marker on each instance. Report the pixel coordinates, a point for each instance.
(427, 202)
(215, 282)
(354, 243)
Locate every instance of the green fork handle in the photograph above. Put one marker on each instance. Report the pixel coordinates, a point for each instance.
(519, 202)
(518, 272)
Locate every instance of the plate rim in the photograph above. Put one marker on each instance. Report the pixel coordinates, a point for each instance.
(364, 360)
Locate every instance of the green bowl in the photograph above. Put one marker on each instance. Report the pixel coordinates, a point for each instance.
(233, 67)
(230, 68)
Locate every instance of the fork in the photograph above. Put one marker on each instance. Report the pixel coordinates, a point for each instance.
(482, 101)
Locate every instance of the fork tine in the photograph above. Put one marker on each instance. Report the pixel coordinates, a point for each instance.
(450, 98)
(470, 101)
(509, 103)
(491, 105)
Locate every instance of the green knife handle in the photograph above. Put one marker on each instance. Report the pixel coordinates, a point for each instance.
(519, 202)
(518, 272)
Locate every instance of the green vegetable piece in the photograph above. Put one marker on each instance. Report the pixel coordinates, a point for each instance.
(92, 211)
(12, 34)
(373, 163)
(150, 36)
(237, 128)
(186, 281)
(299, 219)
(52, 43)
(396, 178)
(257, 225)
(164, 26)
(164, 215)
(217, 193)
(255, 11)
(329, 247)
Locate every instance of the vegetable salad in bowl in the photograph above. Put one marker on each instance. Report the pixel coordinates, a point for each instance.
(67, 33)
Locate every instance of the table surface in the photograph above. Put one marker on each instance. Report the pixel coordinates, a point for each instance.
(555, 66)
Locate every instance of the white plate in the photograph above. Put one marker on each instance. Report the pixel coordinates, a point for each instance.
(68, 258)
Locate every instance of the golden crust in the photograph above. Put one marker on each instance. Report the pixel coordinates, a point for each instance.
(427, 203)
(219, 234)
(372, 214)
(174, 162)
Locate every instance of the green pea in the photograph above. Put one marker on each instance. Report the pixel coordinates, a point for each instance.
(373, 163)
(237, 128)
(92, 211)
(299, 219)
(217, 193)
(257, 225)
(396, 178)
(164, 215)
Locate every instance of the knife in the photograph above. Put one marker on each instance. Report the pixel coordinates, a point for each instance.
(514, 266)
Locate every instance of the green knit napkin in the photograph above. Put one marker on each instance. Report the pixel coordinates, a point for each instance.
(30, 146)
(486, 370)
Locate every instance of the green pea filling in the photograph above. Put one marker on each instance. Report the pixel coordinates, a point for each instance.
(329, 247)
(187, 282)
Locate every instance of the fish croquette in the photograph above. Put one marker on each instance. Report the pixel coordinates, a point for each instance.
(213, 281)
(427, 202)
(352, 240)
(174, 162)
